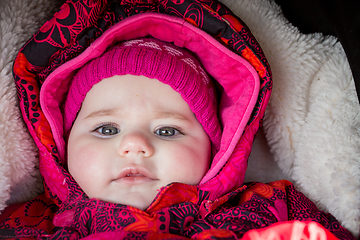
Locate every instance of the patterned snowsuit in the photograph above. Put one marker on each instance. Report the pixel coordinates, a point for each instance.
(221, 206)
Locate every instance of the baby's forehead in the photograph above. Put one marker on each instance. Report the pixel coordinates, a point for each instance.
(133, 87)
(120, 97)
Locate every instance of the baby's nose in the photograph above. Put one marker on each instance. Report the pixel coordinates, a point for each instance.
(134, 144)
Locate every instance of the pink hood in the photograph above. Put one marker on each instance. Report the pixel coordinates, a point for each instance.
(245, 89)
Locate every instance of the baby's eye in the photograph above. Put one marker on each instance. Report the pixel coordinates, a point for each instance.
(107, 130)
(167, 132)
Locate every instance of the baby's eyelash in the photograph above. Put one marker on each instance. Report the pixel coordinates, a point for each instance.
(103, 125)
(115, 129)
(168, 132)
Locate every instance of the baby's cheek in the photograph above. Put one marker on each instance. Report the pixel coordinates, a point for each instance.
(83, 164)
(189, 166)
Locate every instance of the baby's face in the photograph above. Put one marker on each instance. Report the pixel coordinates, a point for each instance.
(132, 136)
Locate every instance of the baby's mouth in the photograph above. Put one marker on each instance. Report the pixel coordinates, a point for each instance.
(134, 178)
(134, 175)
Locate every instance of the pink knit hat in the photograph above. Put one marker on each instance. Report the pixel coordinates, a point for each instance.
(151, 58)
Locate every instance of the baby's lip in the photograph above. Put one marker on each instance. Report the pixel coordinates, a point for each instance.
(135, 175)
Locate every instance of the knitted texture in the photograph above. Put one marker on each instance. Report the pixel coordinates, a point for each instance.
(154, 59)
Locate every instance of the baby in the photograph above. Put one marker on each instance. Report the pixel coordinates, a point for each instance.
(135, 132)
(133, 143)
(142, 117)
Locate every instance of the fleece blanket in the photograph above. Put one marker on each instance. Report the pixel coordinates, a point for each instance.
(311, 132)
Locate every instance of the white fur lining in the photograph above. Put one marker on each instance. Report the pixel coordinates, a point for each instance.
(312, 121)
(19, 175)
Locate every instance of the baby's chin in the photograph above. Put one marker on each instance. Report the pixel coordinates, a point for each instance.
(134, 199)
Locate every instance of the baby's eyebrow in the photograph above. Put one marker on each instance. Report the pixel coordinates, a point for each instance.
(171, 115)
(157, 114)
(103, 112)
